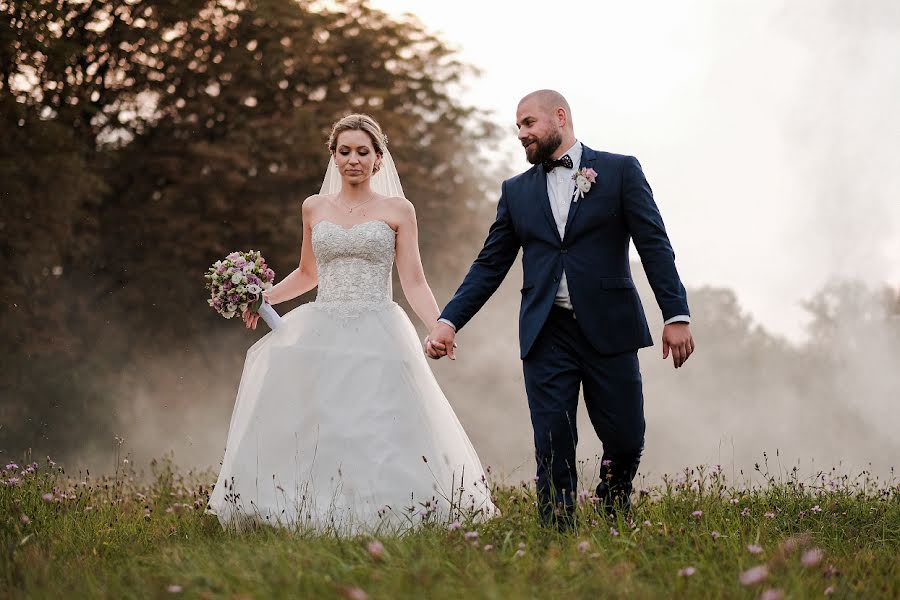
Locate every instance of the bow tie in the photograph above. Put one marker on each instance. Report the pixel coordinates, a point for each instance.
(563, 161)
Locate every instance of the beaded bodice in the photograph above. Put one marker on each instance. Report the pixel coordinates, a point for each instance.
(354, 266)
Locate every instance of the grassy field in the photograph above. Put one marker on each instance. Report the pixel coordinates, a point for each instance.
(694, 536)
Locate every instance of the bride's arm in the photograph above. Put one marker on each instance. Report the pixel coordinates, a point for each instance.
(409, 266)
(304, 277)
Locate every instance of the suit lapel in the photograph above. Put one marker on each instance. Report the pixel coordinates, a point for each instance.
(588, 157)
(540, 190)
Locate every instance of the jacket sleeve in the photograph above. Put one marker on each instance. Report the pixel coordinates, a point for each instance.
(487, 272)
(646, 227)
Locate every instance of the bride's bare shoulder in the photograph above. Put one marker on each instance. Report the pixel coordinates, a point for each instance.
(317, 200)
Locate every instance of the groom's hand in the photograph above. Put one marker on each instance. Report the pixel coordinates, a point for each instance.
(441, 342)
(677, 338)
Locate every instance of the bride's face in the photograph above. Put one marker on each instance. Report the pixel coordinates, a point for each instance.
(355, 157)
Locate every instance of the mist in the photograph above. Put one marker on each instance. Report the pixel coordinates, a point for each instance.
(770, 136)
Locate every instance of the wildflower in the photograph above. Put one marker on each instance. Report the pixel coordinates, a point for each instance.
(356, 593)
(584, 546)
(772, 594)
(375, 549)
(174, 589)
(754, 549)
(697, 514)
(648, 524)
(520, 553)
(735, 500)
(769, 515)
(812, 557)
(606, 462)
(686, 572)
(613, 531)
(471, 535)
(745, 512)
(12, 467)
(715, 535)
(24, 519)
(829, 590)
(454, 526)
(488, 547)
(13, 481)
(754, 575)
(521, 545)
(816, 509)
(48, 497)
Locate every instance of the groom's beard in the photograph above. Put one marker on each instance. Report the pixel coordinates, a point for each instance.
(543, 149)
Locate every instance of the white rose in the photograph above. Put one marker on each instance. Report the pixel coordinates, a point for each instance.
(236, 278)
(583, 184)
(253, 289)
(228, 314)
(231, 307)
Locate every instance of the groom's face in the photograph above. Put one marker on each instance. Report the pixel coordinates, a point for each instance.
(539, 131)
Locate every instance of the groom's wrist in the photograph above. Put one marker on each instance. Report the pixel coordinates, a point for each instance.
(448, 323)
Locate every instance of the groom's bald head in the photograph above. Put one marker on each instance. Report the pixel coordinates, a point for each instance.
(549, 101)
(545, 127)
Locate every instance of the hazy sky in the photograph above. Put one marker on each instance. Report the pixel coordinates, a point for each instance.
(768, 130)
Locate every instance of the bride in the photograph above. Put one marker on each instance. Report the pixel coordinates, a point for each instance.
(339, 424)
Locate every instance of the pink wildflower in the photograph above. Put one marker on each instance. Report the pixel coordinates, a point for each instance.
(686, 572)
(697, 514)
(375, 549)
(471, 535)
(715, 535)
(812, 557)
(754, 549)
(584, 546)
(772, 594)
(613, 531)
(48, 497)
(754, 575)
(174, 589)
(356, 593)
(454, 526)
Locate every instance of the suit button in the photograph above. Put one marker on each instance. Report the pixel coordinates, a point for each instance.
(564, 250)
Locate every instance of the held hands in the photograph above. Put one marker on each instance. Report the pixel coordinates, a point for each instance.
(440, 342)
(250, 317)
(678, 338)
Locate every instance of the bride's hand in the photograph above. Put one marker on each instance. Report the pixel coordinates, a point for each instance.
(250, 317)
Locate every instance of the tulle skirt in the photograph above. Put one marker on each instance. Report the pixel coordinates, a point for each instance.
(339, 425)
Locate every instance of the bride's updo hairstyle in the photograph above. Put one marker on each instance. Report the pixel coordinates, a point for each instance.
(359, 122)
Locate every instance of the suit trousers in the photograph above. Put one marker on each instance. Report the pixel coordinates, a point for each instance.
(561, 361)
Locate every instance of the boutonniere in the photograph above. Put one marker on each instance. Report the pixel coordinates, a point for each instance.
(584, 179)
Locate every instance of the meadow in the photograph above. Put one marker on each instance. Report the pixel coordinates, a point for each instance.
(697, 534)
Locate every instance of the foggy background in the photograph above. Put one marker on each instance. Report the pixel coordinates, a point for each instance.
(768, 131)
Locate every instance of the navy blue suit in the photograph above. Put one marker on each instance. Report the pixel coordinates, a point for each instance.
(596, 344)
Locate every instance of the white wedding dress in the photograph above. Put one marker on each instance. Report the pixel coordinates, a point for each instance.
(339, 424)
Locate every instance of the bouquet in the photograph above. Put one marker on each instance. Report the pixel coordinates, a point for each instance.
(237, 282)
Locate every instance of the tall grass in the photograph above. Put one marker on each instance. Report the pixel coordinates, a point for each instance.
(695, 535)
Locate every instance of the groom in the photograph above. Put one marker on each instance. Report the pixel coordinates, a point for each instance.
(581, 321)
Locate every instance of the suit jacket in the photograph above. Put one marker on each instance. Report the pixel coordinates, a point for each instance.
(619, 207)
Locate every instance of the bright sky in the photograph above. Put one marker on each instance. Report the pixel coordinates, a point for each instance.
(768, 130)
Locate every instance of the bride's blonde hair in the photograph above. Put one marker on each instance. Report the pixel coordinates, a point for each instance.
(359, 122)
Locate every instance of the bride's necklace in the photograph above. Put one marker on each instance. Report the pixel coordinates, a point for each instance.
(350, 209)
